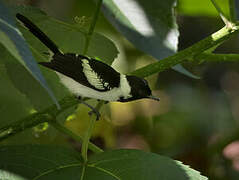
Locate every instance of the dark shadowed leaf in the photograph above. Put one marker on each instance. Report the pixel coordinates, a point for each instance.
(48, 162)
(13, 104)
(202, 7)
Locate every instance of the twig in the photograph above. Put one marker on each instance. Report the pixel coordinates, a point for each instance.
(216, 38)
(89, 131)
(92, 26)
(64, 130)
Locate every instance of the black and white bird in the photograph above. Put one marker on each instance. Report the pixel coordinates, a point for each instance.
(88, 77)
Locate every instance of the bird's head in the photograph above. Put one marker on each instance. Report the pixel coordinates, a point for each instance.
(139, 89)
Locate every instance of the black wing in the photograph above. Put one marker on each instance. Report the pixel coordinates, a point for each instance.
(88, 72)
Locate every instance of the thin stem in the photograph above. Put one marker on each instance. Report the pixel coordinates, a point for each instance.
(221, 13)
(34, 119)
(23, 124)
(216, 38)
(86, 139)
(232, 10)
(89, 131)
(47, 115)
(92, 26)
(66, 131)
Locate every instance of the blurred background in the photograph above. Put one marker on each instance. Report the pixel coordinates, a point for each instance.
(196, 121)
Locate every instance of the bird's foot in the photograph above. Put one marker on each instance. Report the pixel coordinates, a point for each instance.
(93, 110)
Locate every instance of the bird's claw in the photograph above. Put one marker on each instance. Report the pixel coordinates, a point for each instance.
(94, 111)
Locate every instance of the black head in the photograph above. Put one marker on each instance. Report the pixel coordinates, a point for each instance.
(139, 89)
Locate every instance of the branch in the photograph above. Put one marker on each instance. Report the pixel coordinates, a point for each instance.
(211, 57)
(64, 130)
(216, 38)
(88, 133)
(36, 118)
(92, 26)
(47, 115)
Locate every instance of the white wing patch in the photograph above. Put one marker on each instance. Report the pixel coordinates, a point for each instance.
(93, 77)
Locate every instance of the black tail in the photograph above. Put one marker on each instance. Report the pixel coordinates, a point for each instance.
(38, 33)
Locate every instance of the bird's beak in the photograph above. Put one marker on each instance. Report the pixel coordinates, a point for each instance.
(154, 98)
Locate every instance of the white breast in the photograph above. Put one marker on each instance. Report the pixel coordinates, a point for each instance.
(83, 91)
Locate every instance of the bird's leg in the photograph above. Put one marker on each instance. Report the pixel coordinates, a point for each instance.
(105, 102)
(93, 110)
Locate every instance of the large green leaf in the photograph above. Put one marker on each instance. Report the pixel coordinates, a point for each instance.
(48, 162)
(27, 85)
(13, 105)
(150, 25)
(12, 39)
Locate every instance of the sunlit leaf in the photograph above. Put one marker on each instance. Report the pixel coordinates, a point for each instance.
(202, 7)
(149, 25)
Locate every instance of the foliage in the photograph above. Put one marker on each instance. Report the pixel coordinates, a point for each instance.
(47, 162)
(151, 27)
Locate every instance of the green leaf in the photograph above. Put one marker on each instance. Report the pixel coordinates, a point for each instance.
(13, 105)
(12, 39)
(202, 7)
(49, 162)
(135, 164)
(5, 175)
(182, 70)
(149, 25)
(27, 85)
(68, 37)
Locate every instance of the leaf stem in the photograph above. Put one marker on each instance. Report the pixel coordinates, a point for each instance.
(92, 26)
(64, 130)
(214, 39)
(211, 57)
(47, 115)
(86, 139)
(89, 131)
(23, 124)
(36, 118)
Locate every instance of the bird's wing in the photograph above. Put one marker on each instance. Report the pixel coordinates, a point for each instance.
(86, 71)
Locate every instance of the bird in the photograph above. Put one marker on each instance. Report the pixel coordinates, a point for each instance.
(87, 77)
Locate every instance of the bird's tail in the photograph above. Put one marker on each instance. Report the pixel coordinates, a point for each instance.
(38, 33)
